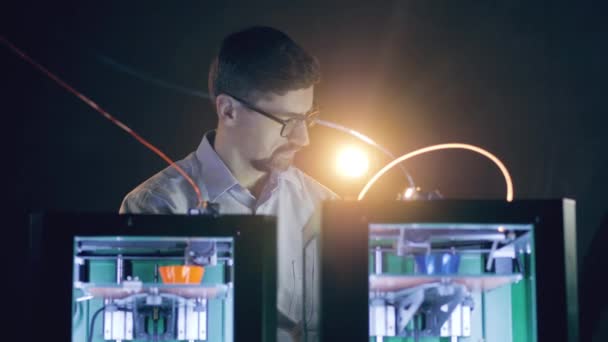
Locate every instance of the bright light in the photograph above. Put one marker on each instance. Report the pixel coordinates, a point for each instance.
(409, 192)
(352, 162)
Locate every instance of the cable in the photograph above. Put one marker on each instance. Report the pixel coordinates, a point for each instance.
(407, 156)
(90, 337)
(201, 203)
(147, 78)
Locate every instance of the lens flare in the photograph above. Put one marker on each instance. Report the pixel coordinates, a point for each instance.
(352, 162)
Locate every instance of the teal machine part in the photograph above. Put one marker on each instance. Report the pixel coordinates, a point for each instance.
(489, 303)
(447, 270)
(120, 269)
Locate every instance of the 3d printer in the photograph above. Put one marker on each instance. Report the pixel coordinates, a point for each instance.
(445, 270)
(138, 277)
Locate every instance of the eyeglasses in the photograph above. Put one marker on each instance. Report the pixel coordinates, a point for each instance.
(290, 124)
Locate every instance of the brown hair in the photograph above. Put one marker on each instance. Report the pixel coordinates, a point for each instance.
(259, 60)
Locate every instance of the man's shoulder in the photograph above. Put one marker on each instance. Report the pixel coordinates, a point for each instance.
(167, 191)
(158, 184)
(312, 186)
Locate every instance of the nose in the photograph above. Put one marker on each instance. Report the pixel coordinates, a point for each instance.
(299, 136)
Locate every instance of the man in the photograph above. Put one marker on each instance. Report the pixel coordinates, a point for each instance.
(261, 85)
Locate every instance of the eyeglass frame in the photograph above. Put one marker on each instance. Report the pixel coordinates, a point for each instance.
(308, 116)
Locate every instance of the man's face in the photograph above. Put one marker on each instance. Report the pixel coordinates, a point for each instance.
(259, 137)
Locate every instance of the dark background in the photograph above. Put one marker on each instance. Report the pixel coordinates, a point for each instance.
(525, 80)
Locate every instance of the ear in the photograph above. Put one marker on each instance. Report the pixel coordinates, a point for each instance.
(226, 110)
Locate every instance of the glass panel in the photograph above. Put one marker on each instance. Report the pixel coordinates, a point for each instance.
(451, 282)
(153, 289)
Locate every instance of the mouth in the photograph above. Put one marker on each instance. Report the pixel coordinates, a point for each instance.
(288, 151)
(287, 155)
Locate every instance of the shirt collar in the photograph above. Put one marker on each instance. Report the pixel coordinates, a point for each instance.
(291, 176)
(217, 177)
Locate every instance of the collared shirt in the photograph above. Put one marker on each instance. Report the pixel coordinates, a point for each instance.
(291, 195)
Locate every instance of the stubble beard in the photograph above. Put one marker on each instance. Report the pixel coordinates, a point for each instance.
(279, 161)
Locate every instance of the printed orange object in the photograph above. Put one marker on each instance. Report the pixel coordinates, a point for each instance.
(180, 274)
